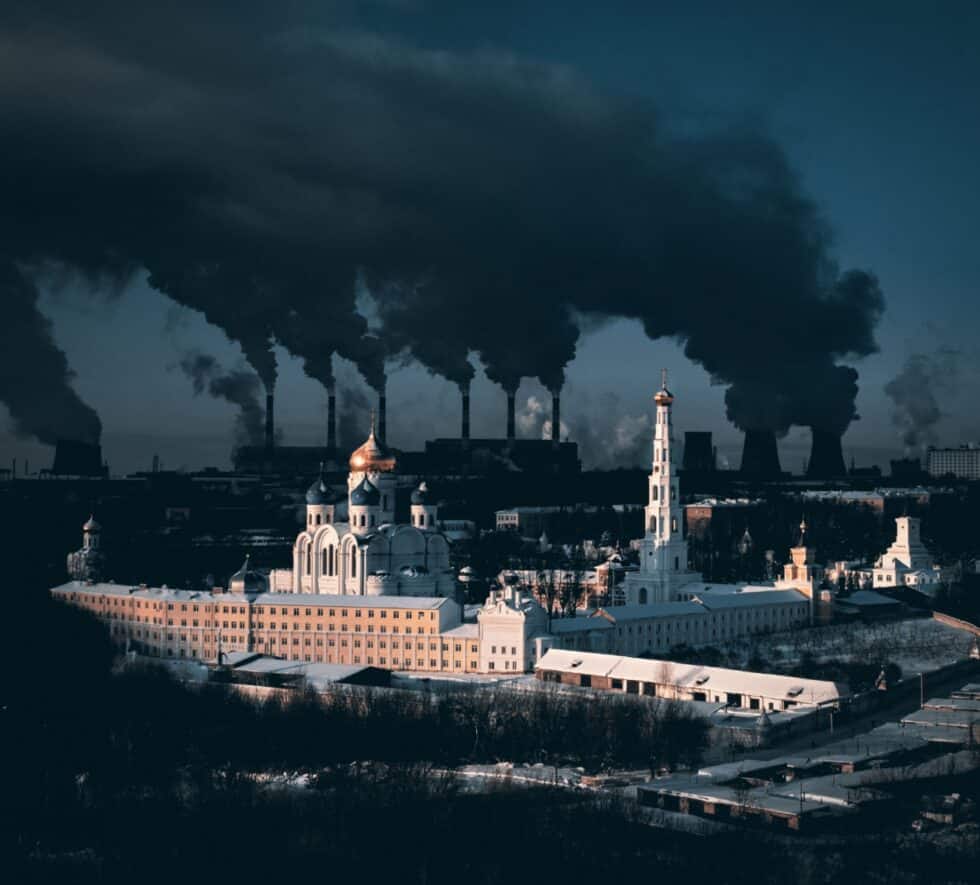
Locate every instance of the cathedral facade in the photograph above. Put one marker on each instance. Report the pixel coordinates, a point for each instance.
(353, 547)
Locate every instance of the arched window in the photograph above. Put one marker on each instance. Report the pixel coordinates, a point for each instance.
(653, 523)
(318, 519)
(642, 596)
(656, 493)
(353, 562)
(371, 520)
(333, 562)
(309, 561)
(323, 561)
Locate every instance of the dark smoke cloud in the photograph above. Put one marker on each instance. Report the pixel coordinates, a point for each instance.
(238, 387)
(262, 169)
(35, 381)
(353, 417)
(913, 393)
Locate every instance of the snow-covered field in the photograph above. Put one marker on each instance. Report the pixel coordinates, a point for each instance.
(917, 645)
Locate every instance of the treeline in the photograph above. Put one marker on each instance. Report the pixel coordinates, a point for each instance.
(146, 728)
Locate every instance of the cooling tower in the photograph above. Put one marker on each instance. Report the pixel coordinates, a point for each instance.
(760, 456)
(826, 456)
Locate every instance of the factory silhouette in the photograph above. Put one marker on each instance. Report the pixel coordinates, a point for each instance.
(465, 455)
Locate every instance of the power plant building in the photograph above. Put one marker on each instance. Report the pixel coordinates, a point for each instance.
(963, 462)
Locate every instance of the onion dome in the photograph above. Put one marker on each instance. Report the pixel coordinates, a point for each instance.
(320, 492)
(372, 456)
(365, 494)
(247, 580)
(91, 525)
(421, 494)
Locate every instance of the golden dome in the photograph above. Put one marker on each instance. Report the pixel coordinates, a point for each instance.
(371, 456)
(663, 397)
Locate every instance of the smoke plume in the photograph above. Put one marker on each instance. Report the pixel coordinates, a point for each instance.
(353, 417)
(35, 380)
(607, 438)
(913, 393)
(239, 387)
(488, 202)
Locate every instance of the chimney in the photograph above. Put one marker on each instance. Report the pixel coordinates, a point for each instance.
(511, 421)
(466, 411)
(826, 455)
(760, 455)
(382, 415)
(555, 418)
(270, 426)
(331, 419)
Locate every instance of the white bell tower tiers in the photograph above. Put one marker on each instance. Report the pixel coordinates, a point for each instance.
(663, 550)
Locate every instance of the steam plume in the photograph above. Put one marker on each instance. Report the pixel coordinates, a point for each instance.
(913, 393)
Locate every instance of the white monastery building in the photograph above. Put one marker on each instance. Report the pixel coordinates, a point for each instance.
(366, 590)
(907, 563)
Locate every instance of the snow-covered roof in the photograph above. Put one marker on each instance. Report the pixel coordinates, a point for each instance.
(651, 610)
(323, 673)
(867, 597)
(751, 599)
(694, 677)
(294, 599)
(464, 631)
(578, 625)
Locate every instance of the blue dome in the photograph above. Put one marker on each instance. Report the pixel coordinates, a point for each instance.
(421, 494)
(365, 494)
(320, 493)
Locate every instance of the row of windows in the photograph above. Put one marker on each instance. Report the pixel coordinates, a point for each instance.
(358, 612)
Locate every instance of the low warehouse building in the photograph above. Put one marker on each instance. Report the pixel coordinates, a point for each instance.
(687, 682)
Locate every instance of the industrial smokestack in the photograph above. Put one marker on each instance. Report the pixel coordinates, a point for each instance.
(270, 422)
(555, 418)
(331, 420)
(760, 455)
(466, 412)
(382, 415)
(826, 455)
(511, 414)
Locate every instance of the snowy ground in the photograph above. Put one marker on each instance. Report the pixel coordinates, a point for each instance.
(917, 645)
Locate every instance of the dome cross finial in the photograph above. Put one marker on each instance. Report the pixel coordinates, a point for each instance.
(663, 379)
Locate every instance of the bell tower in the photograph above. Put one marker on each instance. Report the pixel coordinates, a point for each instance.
(663, 550)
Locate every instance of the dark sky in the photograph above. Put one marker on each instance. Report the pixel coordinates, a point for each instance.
(874, 109)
